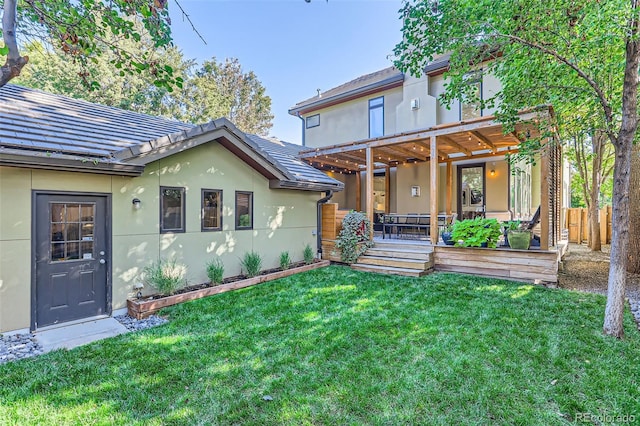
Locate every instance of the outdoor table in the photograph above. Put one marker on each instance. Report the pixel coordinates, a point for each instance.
(411, 222)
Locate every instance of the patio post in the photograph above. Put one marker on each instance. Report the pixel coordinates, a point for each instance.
(449, 206)
(369, 186)
(433, 193)
(387, 189)
(358, 191)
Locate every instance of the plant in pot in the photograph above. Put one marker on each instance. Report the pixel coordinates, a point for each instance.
(518, 236)
(354, 237)
(446, 235)
(478, 232)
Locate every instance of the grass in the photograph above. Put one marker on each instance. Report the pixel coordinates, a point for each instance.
(335, 346)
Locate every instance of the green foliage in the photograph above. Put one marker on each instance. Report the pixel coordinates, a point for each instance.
(308, 255)
(244, 220)
(354, 237)
(85, 30)
(251, 264)
(166, 276)
(285, 260)
(513, 225)
(476, 232)
(215, 270)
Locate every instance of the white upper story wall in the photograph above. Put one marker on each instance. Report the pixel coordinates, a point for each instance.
(342, 114)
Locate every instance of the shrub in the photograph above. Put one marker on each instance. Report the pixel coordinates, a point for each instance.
(476, 232)
(215, 271)
(308, 255)
(166, 276)
(285, 260)
(355, 236)
(251, 264)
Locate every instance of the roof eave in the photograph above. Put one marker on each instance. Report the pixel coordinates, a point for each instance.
(387, 83)
(305, 186)
(70, 165)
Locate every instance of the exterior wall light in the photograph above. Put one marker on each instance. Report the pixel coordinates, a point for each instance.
(136, 203)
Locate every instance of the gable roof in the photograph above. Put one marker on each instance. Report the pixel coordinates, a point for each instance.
(43, 130)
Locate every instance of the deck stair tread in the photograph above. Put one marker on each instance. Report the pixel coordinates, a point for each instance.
(398, 253)
(425, 248)
(390, 270)
(395, 262)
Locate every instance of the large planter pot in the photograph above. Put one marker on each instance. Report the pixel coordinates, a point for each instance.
(519, 240)
(446, 238)
(142, 308)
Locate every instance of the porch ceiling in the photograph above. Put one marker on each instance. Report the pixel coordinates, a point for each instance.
(481, 137)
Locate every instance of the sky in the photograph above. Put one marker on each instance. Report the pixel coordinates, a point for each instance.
(293, 47)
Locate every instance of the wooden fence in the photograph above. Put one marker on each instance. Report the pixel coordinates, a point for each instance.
(578, 226)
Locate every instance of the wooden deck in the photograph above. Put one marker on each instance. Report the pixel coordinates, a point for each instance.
(418, 257)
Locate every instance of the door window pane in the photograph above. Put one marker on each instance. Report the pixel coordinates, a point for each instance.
(70, 225)
(244, 210)
(171, 209)
(211, 210)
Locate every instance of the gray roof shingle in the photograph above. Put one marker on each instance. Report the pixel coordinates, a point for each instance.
(56, 131)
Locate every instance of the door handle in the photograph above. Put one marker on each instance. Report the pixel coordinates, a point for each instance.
(102, 261)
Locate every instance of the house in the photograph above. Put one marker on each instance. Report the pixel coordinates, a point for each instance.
(90, 195)
(379, 133)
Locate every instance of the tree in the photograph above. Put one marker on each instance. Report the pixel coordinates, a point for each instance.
(558, 52)
(633, 265)
(81, 29)
(222, 89)
(592, 157)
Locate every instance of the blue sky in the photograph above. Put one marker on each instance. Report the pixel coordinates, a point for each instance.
(292, 46)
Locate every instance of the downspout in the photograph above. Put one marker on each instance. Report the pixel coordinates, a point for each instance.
(303, 130)
(321, 201)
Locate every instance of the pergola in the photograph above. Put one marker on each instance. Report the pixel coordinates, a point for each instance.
(477, 138)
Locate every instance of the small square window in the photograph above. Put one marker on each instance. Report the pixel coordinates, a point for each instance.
(244, 210)
(211, 210)
(313, 121)
(172, 209)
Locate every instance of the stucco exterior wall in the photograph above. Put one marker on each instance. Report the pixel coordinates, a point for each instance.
(349, 121)
(283, 220)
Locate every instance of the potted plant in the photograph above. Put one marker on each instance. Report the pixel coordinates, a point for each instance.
(518, 236)
(478, 232)
(354, 237)
(446, 235)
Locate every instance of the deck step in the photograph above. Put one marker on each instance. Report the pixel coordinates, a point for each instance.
(395, 262)
(401, 253)
(390, 270)
(403, 245)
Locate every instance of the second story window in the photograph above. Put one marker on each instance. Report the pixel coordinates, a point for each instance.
(470, 107)
(313, 121)
(376, 117)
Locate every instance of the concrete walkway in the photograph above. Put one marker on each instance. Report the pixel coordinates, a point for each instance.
(78, 334)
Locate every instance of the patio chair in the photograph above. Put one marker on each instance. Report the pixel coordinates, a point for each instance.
(535, 242)
(407, 227)
(423, 224)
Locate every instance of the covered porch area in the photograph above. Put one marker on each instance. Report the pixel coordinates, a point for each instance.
(421, 175)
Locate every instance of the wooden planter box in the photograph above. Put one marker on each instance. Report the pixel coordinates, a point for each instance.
(141, 308)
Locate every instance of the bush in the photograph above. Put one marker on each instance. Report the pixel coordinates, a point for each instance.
(251, 264)
(285, 260)
(166, 276)
(355, 236)
(215, 271)
(476, 232)
(308, 255)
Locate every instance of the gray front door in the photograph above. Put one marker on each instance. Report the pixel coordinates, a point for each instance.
(71, 242)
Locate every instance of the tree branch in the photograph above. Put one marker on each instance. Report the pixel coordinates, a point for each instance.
(14, 64)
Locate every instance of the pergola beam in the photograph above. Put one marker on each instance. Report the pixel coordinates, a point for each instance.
(456, 145)
(479, 136)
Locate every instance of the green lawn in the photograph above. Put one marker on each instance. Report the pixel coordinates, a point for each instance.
(334, 346)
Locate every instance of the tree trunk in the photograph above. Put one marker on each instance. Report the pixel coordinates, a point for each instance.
(593, 221)
(613, 318)
(15, 62)
(633, 264)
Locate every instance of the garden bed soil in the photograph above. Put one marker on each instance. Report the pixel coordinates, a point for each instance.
(143, 307)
